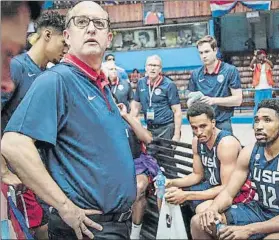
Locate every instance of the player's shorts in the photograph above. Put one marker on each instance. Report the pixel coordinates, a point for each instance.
(245, 195)
(31, 209)
(252, 212)
(148, 166)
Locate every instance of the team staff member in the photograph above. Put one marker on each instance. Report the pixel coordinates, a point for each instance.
(214, 158)
(25, 67)
(121, 89)
(120, 71)
(15, 17)
(69, 111)
(158, 97)
(260, 217)
(49, 47)
(218, 81)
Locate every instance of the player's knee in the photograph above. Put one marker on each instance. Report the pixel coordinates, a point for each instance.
(195, 222)
(141, 188)
(272, 236)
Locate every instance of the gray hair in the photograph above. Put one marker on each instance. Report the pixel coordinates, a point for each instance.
(156, 57)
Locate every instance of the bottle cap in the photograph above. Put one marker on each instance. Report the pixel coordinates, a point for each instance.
(217, 222)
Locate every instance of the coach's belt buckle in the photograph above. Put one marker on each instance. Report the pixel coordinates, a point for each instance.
(125, 215)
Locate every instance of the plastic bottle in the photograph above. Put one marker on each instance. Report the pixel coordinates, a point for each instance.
(160, 182)
(219, 225)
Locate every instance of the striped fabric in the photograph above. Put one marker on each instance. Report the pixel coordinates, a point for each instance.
(220, 8)
(13, 225)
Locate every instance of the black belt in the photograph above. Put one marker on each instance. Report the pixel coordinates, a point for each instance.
(113, 217)
(154, 126)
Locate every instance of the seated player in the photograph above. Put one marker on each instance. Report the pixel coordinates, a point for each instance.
(214, 158)
(257, 219)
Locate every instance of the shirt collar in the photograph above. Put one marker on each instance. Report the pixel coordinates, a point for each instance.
(156, 83)
(116, 83)
(216, 69)
(99, 79)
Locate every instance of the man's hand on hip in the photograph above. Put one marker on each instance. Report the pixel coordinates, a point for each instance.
(10, 179)
(76, 218)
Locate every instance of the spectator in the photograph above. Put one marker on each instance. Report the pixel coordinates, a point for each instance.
(218, 81)
(262, 77)
(258, 162)
(121, 89)
(134, 77)
(214, 158)
(158, 97)
(120, 71)
(69, 112)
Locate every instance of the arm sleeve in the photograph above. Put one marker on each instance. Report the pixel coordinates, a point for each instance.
(42, 110)
(191, 85)
(235, 82)
(173, 96)
(16, 70)
(137, 94)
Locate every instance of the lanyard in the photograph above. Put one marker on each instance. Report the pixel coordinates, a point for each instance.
(115, 86)
(156, 84)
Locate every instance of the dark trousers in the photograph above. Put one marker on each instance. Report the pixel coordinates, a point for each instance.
(167, 132)
(59, 230)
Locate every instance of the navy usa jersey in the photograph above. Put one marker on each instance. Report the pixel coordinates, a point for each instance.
(210, 161)
(265, 175)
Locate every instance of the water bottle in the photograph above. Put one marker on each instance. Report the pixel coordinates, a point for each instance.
(160, 182)
(219, 225)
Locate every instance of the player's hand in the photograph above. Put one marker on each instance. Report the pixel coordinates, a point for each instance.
(234, 232)
(207, 100)
(208, 218)
(168, 183)
(77, 219)
(122, 109)
(175, 195)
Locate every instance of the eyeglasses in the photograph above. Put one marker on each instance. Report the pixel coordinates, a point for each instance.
(84, 21)
(154, 65)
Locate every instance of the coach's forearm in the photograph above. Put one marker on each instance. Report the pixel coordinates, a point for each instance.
(231, 101)
(24, 158)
